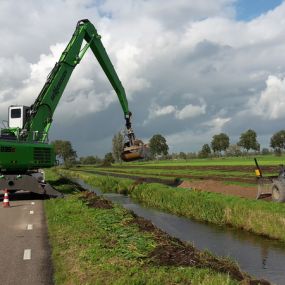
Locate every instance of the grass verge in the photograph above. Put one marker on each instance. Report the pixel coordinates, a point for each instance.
(96, 242)
(260, 217)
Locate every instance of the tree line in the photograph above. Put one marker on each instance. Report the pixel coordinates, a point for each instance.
(220, 144)
(158, 148)
(67, 156)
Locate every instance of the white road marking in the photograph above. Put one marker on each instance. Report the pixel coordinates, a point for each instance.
(31, 212)
(32, 203)
(27, 254)
(29, 227)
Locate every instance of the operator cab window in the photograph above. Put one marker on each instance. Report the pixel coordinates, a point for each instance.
(16, 113)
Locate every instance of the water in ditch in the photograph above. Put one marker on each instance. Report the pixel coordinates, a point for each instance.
(260, 257)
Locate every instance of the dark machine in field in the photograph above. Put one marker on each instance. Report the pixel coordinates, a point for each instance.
(24, 147)
(270, 186)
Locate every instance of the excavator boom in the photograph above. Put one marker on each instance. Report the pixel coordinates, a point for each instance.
(41, 112)
(23, 144)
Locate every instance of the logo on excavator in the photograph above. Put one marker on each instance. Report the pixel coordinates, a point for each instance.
(56, 89)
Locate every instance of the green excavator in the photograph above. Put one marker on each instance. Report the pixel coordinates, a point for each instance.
(24, 148)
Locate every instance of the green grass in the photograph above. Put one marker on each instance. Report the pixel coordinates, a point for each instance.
(170, 174)
(59, 182)
(101, 246)
(176, 172)
(118, 171)
(260, 217)
(262, 159)
(186, 168)
(227, 169)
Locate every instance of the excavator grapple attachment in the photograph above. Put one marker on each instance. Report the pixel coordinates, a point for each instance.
(134, 152)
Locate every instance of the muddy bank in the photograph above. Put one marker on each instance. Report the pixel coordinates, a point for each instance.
(245, 214)
(173, 252)
(257, 255)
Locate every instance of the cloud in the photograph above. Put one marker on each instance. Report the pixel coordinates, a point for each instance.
(190, 111)
(189, 68)
(216, 124)
(161, 111)
(194, 139)
(271, 102)
(128, 62)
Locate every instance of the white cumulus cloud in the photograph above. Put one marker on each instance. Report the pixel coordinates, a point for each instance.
(160, 50)
(216, 124)
(271, 102)
(190, 111)
(157, 111)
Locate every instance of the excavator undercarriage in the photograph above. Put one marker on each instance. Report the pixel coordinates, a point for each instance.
(31, 181)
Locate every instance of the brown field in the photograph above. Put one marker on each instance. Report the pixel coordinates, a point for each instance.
(220, 187)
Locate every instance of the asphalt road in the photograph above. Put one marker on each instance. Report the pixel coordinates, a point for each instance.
(24, 248)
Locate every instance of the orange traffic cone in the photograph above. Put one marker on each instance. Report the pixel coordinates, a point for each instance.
(6, 203)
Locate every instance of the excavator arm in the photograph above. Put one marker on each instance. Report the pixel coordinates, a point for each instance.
(40, 115)
(23, 144)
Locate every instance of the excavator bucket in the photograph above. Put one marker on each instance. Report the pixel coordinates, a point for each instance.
(134, 152)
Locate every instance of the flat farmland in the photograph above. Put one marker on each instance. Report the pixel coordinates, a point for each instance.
(233, 176)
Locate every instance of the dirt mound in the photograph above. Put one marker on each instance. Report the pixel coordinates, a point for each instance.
(173, 252)
(220, 187)
(94, 201)
(143, 224)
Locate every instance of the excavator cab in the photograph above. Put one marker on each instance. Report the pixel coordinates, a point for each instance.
(134, 149)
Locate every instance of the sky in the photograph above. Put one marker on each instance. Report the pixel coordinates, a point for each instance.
(191, 69)
(249, 9)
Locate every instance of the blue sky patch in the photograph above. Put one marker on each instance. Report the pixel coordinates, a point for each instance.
(247, 10)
